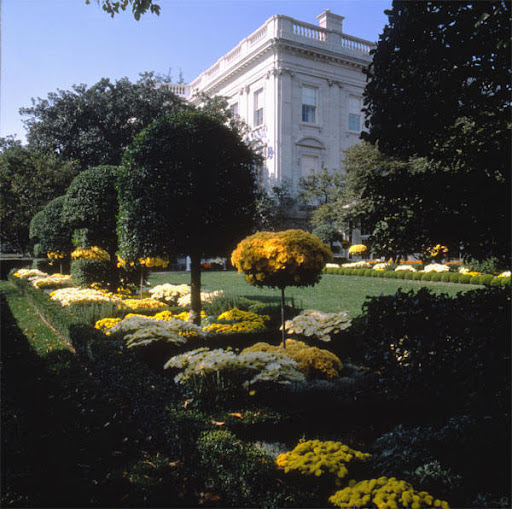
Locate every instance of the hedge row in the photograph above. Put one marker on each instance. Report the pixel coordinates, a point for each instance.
(445, 277)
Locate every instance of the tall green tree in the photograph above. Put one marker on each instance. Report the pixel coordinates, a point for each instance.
(94, 125)
(439, 87)
(29, 179)
(186, 187)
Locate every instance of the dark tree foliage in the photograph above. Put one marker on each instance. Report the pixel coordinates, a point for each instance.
(440, 87)
(95, 125)
(139, 7)
(387, 196)
(91, 205)
(49, 231)
(29, 179)
(187, 186)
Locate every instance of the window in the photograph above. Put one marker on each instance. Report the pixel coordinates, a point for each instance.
(354, 122)
(354, 114)
(234, 110)
(309, 104)
(258, 108)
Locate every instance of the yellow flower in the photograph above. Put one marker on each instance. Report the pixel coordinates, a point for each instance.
(91, 253)
(357, 249)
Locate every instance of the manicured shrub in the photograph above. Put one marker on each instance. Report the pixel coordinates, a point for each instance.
(505, 282)
(400, 275)
(485, 279)
(454, 277)
(464, 279)
(417, 276)
(446, 277)
(427, 276)
(381, 273)
(436, 276)
(368, 272)
(475, 280)
(389, 274)
(374, 273)
(85, 272)
(408, 274)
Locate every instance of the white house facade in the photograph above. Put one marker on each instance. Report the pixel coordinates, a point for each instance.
(299, 87)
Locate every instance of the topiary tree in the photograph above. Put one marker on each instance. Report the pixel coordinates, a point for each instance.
(186, 186)
(51, 234)
(90, 206)
(281, 259)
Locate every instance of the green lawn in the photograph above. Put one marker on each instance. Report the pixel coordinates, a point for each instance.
(333, 293)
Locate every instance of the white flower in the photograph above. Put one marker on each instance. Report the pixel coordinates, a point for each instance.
(380, 266)
(357, 265)
(332, 266)
(316, 324)
(405, 267)
(436, 267)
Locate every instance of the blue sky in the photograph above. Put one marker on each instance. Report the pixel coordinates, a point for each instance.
(52, 44)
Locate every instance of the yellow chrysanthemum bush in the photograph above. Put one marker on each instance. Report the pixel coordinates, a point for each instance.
(384, 493)
(236, 321)
(321, 458)
(357, 249)
(312, 362)
(281, 259)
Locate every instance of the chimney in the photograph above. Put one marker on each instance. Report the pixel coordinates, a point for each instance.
(331, 21)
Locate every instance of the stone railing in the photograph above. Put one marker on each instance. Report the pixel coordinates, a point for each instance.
(180, 89)
(285, 28)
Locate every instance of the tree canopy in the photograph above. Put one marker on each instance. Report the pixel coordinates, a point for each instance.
(91, 205)
(139, 7)
(94, 125)
(29, 179)
(48, 230)
(186, 187)
(439, 87)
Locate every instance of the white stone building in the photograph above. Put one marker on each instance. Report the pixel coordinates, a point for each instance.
(299, 87)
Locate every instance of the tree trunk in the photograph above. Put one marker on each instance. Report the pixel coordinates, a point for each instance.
(195, 289)
(282, 318)
(141, 281)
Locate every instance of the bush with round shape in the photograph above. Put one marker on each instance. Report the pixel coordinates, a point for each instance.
(85, 272)
(464, 279)
(383, 491)
(426, 276)
(486, 279)
(475, 280)
(368, 272)
(435, 276)
(417, 276)
(446, 277)
(318, 458)
(454, 277)
(281, 259)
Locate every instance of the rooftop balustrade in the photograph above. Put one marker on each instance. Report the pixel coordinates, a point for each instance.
(283, 28)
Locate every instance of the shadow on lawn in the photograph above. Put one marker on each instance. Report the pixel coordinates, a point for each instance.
(67, 440)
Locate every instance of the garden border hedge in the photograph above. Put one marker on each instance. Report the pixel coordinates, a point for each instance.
(445, 277)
